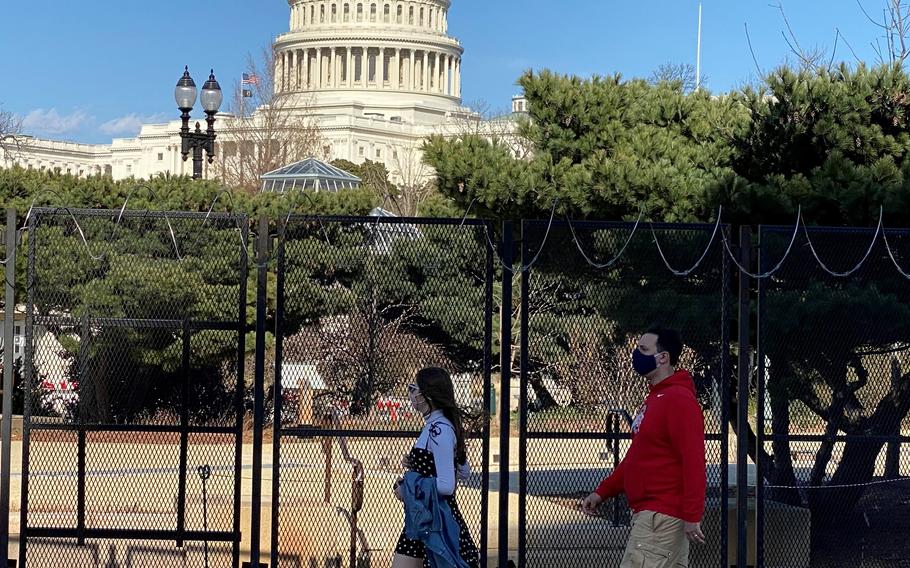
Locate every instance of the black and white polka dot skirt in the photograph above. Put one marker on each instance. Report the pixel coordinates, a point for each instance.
(469, 552)
(421, 461)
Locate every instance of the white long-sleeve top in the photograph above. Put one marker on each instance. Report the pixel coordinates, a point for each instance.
(438, 436)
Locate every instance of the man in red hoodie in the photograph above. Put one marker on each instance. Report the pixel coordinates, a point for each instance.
(663, 473)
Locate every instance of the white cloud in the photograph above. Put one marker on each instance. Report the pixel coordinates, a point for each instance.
(129, 124)
(52, 122)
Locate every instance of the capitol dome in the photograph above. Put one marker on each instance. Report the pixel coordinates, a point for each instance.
(390, 58)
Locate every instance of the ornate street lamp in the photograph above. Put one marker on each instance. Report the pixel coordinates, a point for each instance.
(197, 141)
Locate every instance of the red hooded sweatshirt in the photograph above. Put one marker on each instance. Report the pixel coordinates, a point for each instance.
(664, 469)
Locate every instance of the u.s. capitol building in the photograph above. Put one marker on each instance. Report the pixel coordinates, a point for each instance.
(376, 76)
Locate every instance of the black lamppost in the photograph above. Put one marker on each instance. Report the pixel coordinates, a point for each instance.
(197, 141)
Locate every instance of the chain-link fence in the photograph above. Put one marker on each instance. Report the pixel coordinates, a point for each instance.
(363, 304)
(832, 398)
(589, 290)
(133, 388)
(138, 328)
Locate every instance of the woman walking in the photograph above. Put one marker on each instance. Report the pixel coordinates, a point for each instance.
(437, 460)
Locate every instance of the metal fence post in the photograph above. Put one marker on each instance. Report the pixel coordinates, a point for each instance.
(262, 253)
(278, 394)
(505, 354)
(6, 429)
(523, 406)
(488, 399)
(742, 393)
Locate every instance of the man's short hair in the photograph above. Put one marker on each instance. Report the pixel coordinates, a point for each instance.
(669, 340)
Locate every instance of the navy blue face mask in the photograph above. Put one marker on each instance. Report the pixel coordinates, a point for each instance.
(643, 364)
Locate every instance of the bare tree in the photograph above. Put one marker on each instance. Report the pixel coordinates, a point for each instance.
(413, 179)
(11, 139)
(683, 74)
(370, 352)
(813, 58)
(266, 129)
(893, 46)
(479, 118)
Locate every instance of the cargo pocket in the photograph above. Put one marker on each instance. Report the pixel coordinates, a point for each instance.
(649, 556)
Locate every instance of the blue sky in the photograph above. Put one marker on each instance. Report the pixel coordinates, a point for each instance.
(90, 70)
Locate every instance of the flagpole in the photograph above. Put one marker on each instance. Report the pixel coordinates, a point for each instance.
(698, 53)
(240, 123)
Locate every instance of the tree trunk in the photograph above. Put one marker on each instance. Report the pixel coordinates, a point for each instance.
(783, 459)
(892, 460)
(857, 466)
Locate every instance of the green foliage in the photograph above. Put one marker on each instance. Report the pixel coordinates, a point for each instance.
(835, 143)
(603, 147)
(134, 269)
(22, 188)
(371, 303)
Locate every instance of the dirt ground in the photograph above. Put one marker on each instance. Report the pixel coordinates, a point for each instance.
(874, 535)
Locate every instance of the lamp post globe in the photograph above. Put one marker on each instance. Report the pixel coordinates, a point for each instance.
(211, 95)
(185, 92)
(198, 141)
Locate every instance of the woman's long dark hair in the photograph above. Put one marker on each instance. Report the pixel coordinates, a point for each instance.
(436, 386)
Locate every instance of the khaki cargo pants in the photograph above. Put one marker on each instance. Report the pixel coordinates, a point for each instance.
(656, 541)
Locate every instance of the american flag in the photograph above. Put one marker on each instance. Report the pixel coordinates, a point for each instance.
(249, 79)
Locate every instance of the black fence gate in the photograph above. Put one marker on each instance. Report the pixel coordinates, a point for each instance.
(134, 385)
(362, 304)
(832, 398)
(588, 291)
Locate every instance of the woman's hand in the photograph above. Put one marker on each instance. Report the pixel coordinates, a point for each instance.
(397, 489)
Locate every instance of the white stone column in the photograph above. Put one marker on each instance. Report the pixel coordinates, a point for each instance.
(289, 72)
(380, 68)
(294, 83)
(349, 72)
(446, 85)
(278, 71)
(326, 67)
(410, 70)
(458, 77)
(320, 65)
(334, 73)
(305, 71)
(395, 77)
(365, 67)
(304, 68)
(426, 71)
(454, 75)
(437, 72)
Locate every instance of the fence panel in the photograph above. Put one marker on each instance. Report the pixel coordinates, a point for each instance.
(133, 391)
(833, 398)
(588, 291)
(363, 303)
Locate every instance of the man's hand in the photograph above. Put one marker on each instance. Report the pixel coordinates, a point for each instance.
(590, 503)
(694, 534)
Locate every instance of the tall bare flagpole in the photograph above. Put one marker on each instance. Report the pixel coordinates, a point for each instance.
(698, 54)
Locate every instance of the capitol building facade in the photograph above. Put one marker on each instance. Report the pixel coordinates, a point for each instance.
(377, 76)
